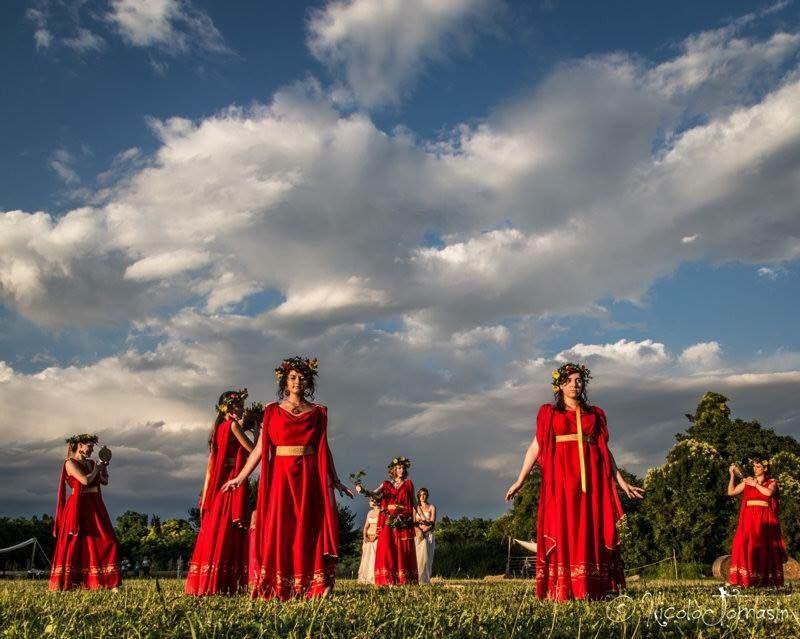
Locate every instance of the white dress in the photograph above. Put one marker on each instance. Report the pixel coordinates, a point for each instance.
(366, 570)
(425, 548)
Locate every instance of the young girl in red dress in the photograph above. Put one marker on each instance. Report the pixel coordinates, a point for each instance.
(396, 554)
(758, 551)
(86, 553)
(219, 561)
(296, 528)
(578, 544)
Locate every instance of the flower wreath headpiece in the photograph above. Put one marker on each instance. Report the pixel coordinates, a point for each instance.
(400, 461)
(303, 365)
(83, 438)
(761, 459)
(562, 373)
(232, 398)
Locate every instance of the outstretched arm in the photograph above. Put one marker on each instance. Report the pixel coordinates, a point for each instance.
(531, 455)
(249, 467)
(633, 492)
(238, 433)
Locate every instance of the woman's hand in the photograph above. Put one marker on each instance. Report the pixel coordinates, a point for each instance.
(750, 481)
(513, 490)
(232, 484)
(343, 490)
(732, 469)
(631, 491)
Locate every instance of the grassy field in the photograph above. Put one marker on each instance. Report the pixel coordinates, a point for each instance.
(448, 609)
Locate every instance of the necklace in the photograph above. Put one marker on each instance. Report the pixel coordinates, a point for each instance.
(295, 407)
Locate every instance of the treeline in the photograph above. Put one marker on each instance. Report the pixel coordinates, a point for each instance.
(685, 510)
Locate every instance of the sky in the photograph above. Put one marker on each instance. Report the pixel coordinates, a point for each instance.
(440, 200)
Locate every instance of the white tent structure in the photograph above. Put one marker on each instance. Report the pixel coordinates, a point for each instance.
(31, 543)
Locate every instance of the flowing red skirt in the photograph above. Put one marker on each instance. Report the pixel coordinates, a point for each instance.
(291, 556)
(578, 545)
(396, 552)
(758, 551)
(90, 558)
(219, 560)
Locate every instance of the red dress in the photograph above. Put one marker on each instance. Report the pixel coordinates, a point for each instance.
(578, 544)
(396, 554)
(86, 553)
(758, 552)
(296, 533)
(219, 561)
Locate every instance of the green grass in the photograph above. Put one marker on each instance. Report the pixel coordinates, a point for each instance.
(473, 609)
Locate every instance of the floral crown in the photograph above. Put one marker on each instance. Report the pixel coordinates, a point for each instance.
(231, 398)
(405, 462)
(562, 373)
(761, 459)
(303, 365)
(83, 438)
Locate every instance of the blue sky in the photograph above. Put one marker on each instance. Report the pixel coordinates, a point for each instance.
(447, 199)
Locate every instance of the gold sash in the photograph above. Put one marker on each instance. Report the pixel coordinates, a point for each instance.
(294, 451)
(578, 437)
(758, 502)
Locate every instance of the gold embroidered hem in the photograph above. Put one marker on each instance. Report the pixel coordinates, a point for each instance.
(91, 570)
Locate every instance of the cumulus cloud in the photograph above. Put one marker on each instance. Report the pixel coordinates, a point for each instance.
(380, 46)
(704, 355)
(557, 200)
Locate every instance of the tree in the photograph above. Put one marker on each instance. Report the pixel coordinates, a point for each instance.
(686, 504)
(131, 529)
(468, 548)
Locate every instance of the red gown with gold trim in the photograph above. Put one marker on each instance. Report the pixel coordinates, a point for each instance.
(578, 544)
(296, 532)
(219, 561)
(396, 554)
(758, 552)
(86, 553)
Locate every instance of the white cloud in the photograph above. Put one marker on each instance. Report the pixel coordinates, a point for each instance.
(61, 162)
(627, 353)
(171, 25)
(85, 41)
(480, 335)
(382, 45)
(703, 355)
(166, 265)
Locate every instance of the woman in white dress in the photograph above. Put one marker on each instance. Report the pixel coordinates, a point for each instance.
(424, 521)
(366, 571)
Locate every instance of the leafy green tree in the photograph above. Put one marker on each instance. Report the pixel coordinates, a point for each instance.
(685, 502)
(467, 548)
(131, 529)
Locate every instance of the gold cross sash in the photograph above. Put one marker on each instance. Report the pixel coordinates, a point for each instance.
(581, 439)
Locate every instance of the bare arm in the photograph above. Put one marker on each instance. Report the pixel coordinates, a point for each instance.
(633, 492)
(249, 467)
(74, 470)
(767, 491)
(531, 455)
(238, 433)
(733, 489)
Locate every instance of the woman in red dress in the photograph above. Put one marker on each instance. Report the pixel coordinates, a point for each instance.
(86, 553)
(219, 561)
(296, 529)
(758, 551)
(576, 526)
(396, 554)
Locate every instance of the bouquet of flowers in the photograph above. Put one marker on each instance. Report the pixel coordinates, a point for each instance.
(400, 520)
(358, 485)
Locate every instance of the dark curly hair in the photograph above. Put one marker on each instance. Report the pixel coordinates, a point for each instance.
(561, 375)
(223, 399)
(305, 367)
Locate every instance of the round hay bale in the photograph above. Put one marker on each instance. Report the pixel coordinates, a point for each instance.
(721, 566)
(791, 570)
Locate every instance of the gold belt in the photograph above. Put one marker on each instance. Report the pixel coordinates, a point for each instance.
(574, 438)
(394, 506)
(91, 489)
(757, 502)
(230, 461)
(294, 451)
